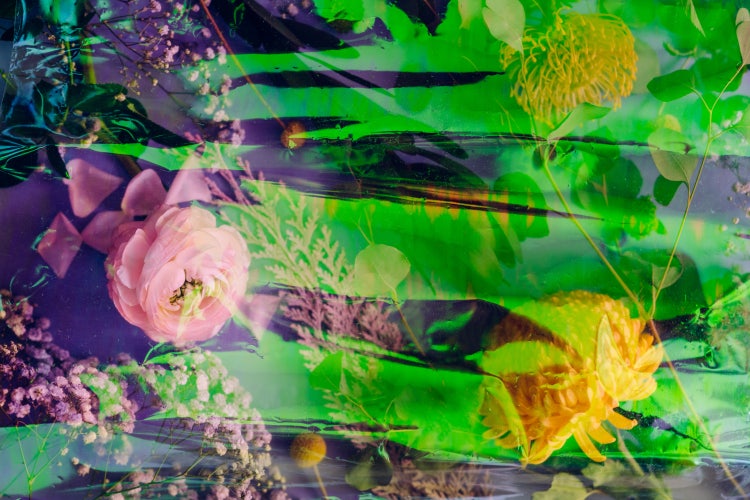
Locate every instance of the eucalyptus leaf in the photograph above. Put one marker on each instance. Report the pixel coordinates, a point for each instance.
(582, 113)
(664, 190)
(378, 269)
(673, 85)
(563, 485)
(469, 10)
(373, 469)
(743, 34)
(506, 20)
(694, 17)
(670, 152)
(672, 275)
(522, 357)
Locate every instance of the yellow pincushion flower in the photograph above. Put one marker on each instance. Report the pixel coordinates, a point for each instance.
(577, 58)
(584, 356)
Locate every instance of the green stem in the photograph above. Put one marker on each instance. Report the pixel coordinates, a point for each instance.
(589, 239)
(693, 189)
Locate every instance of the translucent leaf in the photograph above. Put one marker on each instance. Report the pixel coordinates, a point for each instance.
(579, 116)
(563, 486)
(373, 469)
(743, 34)
(469, 10)
(672, 275)
(694, 17)
(529, 356)
(664, 190)
(378, 269)
(672, 85)
(609, 472)
(648, 66)
(669, 150)
(506, 19)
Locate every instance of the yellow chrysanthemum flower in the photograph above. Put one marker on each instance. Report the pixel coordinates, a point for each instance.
(578, 58)
(592, 355)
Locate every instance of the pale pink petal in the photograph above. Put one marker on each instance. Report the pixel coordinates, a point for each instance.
(98, 233)
(150, 261)
(132, 258)
(88, 186)
(143, 194)
(188, 185)
(258, 311)
(59, 245)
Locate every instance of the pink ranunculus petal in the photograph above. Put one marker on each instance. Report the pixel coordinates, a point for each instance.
(258, 311)
(188, 185)
(98, 233)
(59, 245)
(144, 194)
(176, 275)
(88, 186)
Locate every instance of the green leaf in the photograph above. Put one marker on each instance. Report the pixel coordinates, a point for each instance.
(743, 34)
(694, 17)
(672, 274)
(517, 188)
(522, 357)
(373, 469)
(579, 116)
(328, 374)
(506, 20)
(713, 75)
(378, 270)
(664, 190)
(670, 152)
(564, 485)
(672, 85)
(610, 471)
(648, 66)
(469, 10)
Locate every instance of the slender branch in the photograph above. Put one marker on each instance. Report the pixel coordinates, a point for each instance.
(237, 63)
(590, 240)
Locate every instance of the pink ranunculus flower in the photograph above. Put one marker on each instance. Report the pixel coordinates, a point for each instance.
(176, 275)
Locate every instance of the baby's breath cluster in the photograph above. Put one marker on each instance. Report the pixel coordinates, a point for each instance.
(153, 37)
(202, 410)
(42, 382)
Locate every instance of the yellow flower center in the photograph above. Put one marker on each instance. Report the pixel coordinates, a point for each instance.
(190, 290)
(578, 58)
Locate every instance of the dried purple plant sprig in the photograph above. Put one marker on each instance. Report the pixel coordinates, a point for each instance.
(41, 381)
(412, 480)
(153, 37)
(320, 318)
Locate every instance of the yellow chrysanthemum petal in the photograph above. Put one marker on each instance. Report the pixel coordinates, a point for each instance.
(601, 357)
(621, 422)
(600, 435)
(578, 58)
(587, 446)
